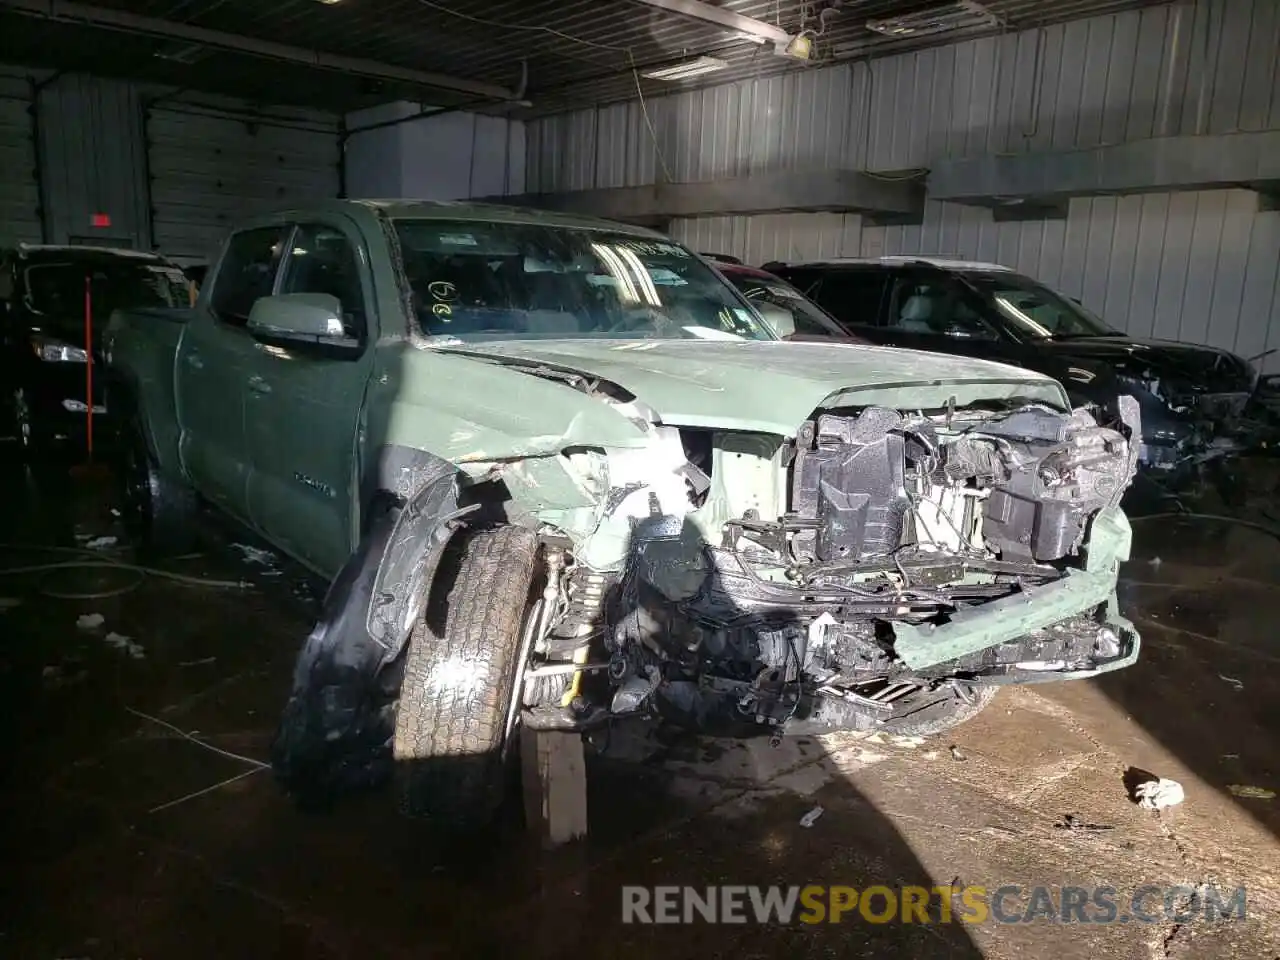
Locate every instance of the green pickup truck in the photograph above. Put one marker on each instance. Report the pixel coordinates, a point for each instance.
(559, 471)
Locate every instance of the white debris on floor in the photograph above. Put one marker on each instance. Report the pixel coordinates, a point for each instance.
(1159, 793)
(101, 543)
(258, 557)
(120, 642)
(90, 621)
(255, 555)
(1251, 793)
(810, 818)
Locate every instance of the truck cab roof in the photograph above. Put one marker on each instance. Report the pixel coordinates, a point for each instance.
(941, 263)
(48, 251)
(484, 212)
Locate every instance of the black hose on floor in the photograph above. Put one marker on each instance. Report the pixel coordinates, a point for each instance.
(92, 559)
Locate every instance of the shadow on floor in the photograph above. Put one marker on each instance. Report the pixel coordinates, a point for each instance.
(114, 848)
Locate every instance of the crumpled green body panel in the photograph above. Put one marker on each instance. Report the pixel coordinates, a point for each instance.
(1007, 619)
(465, 411)
(765, 386)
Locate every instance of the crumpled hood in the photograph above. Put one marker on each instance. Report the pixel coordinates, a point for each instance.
(769, 386)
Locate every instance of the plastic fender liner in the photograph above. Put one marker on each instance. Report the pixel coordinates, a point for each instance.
(408, 560)
(337, 726)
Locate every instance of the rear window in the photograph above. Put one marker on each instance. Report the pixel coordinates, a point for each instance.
(853, 297)
(55, 291)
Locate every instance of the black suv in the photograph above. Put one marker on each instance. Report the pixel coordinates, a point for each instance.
(54, 303)
(1193, 398)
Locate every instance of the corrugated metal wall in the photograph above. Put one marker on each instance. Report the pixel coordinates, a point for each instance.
(460, 155)
(1189, 67)
(1192, 266)
(1201, 267)
(19, 190)
(173, 176)
(451, 156)
(92, 162)
(211, 167)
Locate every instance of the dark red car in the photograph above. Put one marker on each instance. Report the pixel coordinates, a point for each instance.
(811, 321)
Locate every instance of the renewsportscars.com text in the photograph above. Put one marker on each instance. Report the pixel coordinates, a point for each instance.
(815, 903)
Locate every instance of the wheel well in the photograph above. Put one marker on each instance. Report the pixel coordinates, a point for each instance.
(122, 398)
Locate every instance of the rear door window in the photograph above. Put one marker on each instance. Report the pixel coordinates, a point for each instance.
(853, 297)
(247, 272)
(931, 305)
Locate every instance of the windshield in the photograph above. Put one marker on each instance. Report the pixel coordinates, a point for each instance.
(56, 291)
(477, 280)
(1036, 312)
(810, 319)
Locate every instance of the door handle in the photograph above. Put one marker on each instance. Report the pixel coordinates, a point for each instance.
(258, 385)
(194, 361)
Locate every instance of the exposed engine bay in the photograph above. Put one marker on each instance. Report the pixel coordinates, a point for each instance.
(902, 560)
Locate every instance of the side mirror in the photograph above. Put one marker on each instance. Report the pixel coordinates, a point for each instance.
(299, 318)
(780, 320)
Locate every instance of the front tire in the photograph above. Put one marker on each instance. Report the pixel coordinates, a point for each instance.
(24, 431)
(461, 667)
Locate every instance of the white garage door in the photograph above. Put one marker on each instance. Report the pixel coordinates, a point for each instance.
(19, 191)
(210, 169)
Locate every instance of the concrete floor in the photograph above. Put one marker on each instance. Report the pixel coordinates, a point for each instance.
(103, 861)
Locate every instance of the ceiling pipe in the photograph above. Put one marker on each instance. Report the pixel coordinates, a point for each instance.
(66, 12)
(749, 27)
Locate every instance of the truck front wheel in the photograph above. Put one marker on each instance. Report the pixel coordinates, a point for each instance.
(462, 664)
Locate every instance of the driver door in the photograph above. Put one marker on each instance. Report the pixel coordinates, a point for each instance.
(303, 407)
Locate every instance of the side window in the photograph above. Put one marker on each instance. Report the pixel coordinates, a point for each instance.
(322, 260)
(247, 273)
(809, 320)
(853, 296)
(932, 306)
(804, 279)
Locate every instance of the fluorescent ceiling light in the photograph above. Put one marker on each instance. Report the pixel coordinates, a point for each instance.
(800, 47)
(952, 16)
(709, 13)
(689, 68)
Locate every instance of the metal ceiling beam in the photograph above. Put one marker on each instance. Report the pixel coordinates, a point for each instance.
(757, 29)
(789, 191)
(1162, 164)
(79, 13)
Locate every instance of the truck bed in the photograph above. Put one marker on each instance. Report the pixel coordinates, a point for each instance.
(145, 343)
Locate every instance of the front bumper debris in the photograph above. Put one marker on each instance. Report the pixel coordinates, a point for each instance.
(1004, 620)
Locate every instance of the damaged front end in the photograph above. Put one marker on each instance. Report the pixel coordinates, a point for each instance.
(1199, 413)
(880, 564)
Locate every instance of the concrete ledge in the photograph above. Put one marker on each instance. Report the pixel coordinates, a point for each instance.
(1250, 160)
(846, 191)
(554, 779)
